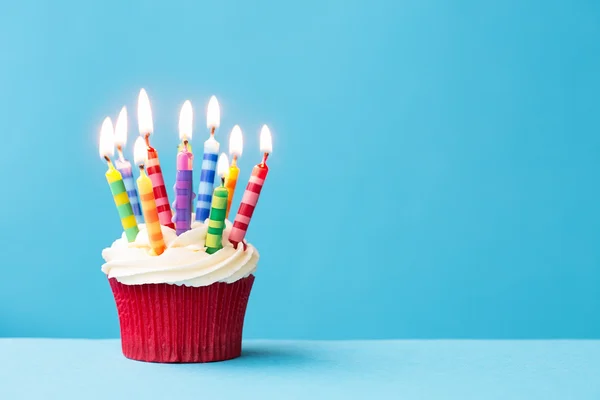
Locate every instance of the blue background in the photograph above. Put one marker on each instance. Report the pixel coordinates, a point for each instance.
(435, 169)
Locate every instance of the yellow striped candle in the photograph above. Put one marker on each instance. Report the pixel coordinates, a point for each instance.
(115, 181)
(146, 193)
(230, 184)
(235, 149)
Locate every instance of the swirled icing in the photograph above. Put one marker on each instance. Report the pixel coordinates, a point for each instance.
(184, 262)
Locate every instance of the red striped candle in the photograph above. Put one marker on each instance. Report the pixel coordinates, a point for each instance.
(250, 198)
(158, 185)
(146, 126)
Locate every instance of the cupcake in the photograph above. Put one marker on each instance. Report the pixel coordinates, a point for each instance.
(184, 305)
(181, 286)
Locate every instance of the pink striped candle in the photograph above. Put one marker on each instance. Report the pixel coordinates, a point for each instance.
(250, 198)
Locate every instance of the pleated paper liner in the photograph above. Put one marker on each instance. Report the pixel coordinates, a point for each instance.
(180, 324)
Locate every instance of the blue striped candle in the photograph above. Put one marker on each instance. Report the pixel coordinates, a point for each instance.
(124, 167)
(207, 178)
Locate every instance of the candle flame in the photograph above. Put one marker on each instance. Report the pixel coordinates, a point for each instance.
(266, 142)
(140, 151)
(121, 128)
(236, 141)
(186, 116)
(107, 139)
(213, 113)
(144, 113)
(223, 165)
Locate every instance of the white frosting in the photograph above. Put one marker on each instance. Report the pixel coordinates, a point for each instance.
(184, 262)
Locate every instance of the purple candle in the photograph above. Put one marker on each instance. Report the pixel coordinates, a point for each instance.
(184, 179)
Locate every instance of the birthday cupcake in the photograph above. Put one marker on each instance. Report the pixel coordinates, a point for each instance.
(181, 294)
(185, 305)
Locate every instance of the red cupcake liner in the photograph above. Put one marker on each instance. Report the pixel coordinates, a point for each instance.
(180, 324)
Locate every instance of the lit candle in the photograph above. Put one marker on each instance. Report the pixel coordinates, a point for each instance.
(250, 198)
(115, 181)
(146, 127)
(235, 149)
(124, 166)
(155, 236)
(216, 220)
(183, 180)
(209, 162)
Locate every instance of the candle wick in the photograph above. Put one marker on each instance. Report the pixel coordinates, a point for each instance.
(234, 161)
(185, 144)
(223, 180)
(120, 152)
(212, 130)
(147, 139)
(264, 160)
(107, 158)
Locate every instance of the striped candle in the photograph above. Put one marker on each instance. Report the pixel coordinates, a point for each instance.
(124, 167)
(151, 215)
(146, 127)
(115, 181)
(207, 178)
(236, 144)
(117, 187)
(230, 183)
(216, 220)
(160, 191)
(255, 185)
(183, 181)
(248, 204)
(183, 192)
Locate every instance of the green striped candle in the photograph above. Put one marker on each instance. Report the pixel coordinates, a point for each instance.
(216, 220)
(218, 210)
(117, 188)
(115, 181)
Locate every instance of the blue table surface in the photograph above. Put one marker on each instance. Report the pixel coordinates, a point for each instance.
(399, 369)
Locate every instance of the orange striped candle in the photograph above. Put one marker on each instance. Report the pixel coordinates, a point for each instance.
(235, 149)
(146, 193)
